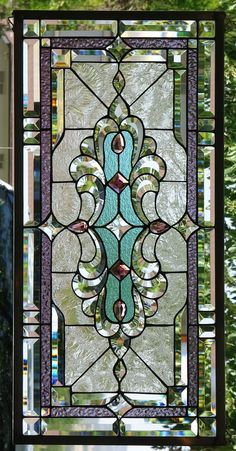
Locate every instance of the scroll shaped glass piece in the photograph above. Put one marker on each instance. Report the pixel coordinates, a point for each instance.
(118, 48)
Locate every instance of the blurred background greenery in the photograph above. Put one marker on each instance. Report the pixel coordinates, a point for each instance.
(229, 6)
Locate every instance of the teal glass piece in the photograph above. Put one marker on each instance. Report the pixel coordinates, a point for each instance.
(127, 209)
(112, 295)
(126, 156)
(111, 158)
(127, 297)
(127, 243)
(110, 209)
(110, 243)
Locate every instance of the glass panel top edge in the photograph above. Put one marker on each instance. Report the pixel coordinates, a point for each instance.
(117, 15)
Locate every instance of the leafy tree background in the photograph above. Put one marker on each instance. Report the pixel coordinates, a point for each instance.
(229, 6)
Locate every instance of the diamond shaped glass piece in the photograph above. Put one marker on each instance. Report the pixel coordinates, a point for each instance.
(120, 370)
(120, 344)
(119, 82)
(51, 227)
(120, 270)
(118, 48)
(119, 406)
(118, 182)
(118, 110)
(186, 226)
(118, 226)
(119, 427)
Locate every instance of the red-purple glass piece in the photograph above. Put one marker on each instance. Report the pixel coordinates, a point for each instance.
(118, 143)
(118, 182)
(119, 309)
(159, 227)
(78, 226)
(119, 270)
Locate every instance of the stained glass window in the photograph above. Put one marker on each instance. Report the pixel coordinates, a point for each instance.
(118, 260)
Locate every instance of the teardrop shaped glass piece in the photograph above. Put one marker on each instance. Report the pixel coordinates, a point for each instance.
(119, 82)
(159, 227)
(78, 226)
(118, 143)
(119, 309)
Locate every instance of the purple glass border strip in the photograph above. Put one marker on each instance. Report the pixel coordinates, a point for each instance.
(193, 365)
(156, 412)
(192, 279)
(45, 365)
(192, 175)
(81, 412)
(152, 43)
(45, 88)
(45, 173)
(192, 89)
(81, 43)
(46, 280)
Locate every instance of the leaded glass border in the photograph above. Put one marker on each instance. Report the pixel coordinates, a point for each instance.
(185, 42)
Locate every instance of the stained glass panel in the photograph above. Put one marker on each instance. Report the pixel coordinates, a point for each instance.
(117, 271)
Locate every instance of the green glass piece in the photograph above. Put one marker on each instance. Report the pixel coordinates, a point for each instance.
(206, 138)
(61, 396)
(118, 48)
(31, 137)
(177, 59)
(31, 124)
(177, 396)
(206, 28)
(31, 28)
(206, 125)
(206, 201)
(192, 43)
(57, 104)
(206, 86)
(119, 82)
(158, 28)
(180, 106)
(207, 383)
(207, 427)
(118, 110)
(181, 368)
(205, 274)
